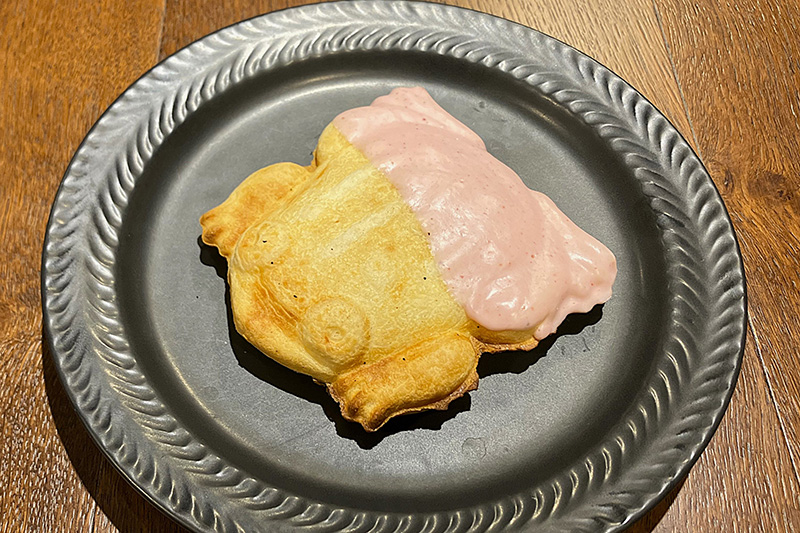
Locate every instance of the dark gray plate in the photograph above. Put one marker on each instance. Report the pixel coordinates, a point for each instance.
(583, 434)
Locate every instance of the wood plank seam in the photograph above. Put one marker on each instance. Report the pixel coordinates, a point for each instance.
(695, 144)
(162, 23)
(772, 396)
(788, 38)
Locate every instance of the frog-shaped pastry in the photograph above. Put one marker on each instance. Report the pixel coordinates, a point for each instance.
(332, 274)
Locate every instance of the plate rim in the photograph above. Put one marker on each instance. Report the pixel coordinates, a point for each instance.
(89, 401)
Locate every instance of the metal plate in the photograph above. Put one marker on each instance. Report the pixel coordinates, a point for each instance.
(585, 433)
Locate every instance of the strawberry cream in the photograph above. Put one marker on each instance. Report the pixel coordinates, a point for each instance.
(508, 255)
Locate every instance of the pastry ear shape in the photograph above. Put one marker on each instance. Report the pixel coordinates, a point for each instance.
(254, 198)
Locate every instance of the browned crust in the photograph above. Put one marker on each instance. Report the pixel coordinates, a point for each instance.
(468, 385)
(483, 347)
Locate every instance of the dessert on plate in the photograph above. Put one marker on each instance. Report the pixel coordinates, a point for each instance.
(404, 251)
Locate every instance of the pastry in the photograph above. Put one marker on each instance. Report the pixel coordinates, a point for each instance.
(399, 255)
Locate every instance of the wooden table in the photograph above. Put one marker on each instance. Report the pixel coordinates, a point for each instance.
(727, 74)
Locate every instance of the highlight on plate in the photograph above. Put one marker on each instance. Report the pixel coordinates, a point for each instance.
(404, 251)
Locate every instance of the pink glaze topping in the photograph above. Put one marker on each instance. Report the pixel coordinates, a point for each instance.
(506, 253)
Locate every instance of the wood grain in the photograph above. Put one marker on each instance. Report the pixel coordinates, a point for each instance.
(61, 64)
(747, 132)
(743, 113)
(727, 75)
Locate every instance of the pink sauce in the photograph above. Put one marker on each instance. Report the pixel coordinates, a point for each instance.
(506, 253)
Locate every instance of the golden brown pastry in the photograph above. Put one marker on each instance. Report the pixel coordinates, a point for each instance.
(331, 275)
